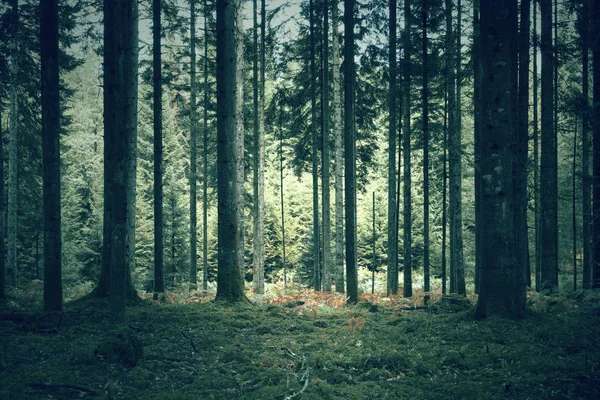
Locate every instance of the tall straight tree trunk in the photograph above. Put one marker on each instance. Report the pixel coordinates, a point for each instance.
(281, 201)
(585, 140)
(477, 141)
(596, 135)
(339, 151)
(259, 160)
(445, 190)
(406, 71)
(426, 285)
(350, 153)
(230, 285)
(159, 279)
(455, 159)
(555, 115)
(205, 159)
(327, 281)
(315, 156)
(574, 206)
(2, 247)
(13, 132)
(451, 127)
(522, 145)
(392, 251)
(53, 293)
(239, 103)
(536, 151)
(548, 187)
(502, 289)
(120, 125)
(193, 146)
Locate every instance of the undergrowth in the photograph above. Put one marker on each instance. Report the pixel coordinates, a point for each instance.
(302, 345)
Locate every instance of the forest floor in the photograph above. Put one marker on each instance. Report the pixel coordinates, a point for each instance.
(303, 346)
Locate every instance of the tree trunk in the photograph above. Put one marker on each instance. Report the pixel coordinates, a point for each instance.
(159, 280)
(406, 71)
(585, 139)
(477, 141)
(53, 293)
(284, 260)
(2, 247)
(574, 206)
(205, 160)
(229, 280)
(445, 190)
(315, 156)
(502, 289)
(596, 135)
(536, 151)
(193, 146)
(239, 120)
(426, 286)
(326, 178)
(13, 133)
(350, 153)
(120, 125)
(451, 127)
(455, 160)
(339, 151)
(392, 251)
(521, 141)
(548, 189)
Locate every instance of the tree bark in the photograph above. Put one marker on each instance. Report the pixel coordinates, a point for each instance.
(596, 136)
(13, 135)
(159, 280)
(241, 174)
(477, 141)
(585, 139)
(229, 280)
(120, 125)
(326, 175)
(522, 145)
(2, 210)
(392, 251)
(350, 153)
(548, 189)
(339, 151)
(426, 284)
(536, 151)
(259, 154)
(451, 127)
(315, 156)
(502, 289)
(193, 147)
(53, 293)
(205, 160)
(406, 71)
(455, 173)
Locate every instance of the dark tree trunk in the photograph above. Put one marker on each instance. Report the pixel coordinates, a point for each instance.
(13, 133)
(327, 275)
(159, 280)
(451, 127)
(406, 71)
(574, 206)
(548, 189)
(426, 285)
(53, 294)
(585, 139)
(315, 157)
(205, 160)
(2, 247)
(120, 125)
(596, 135)
(477, 141)
(521, 141)
(502, 289)
(229, 281)
(392, 254)
(350, 153)
(445, 191)
(536, 151)
(193, 146)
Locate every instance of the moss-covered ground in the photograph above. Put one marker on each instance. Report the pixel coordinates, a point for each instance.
(299, 348)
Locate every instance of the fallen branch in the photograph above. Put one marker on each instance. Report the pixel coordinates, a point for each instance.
(194, 350)
(305, 379)
(42, 385)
